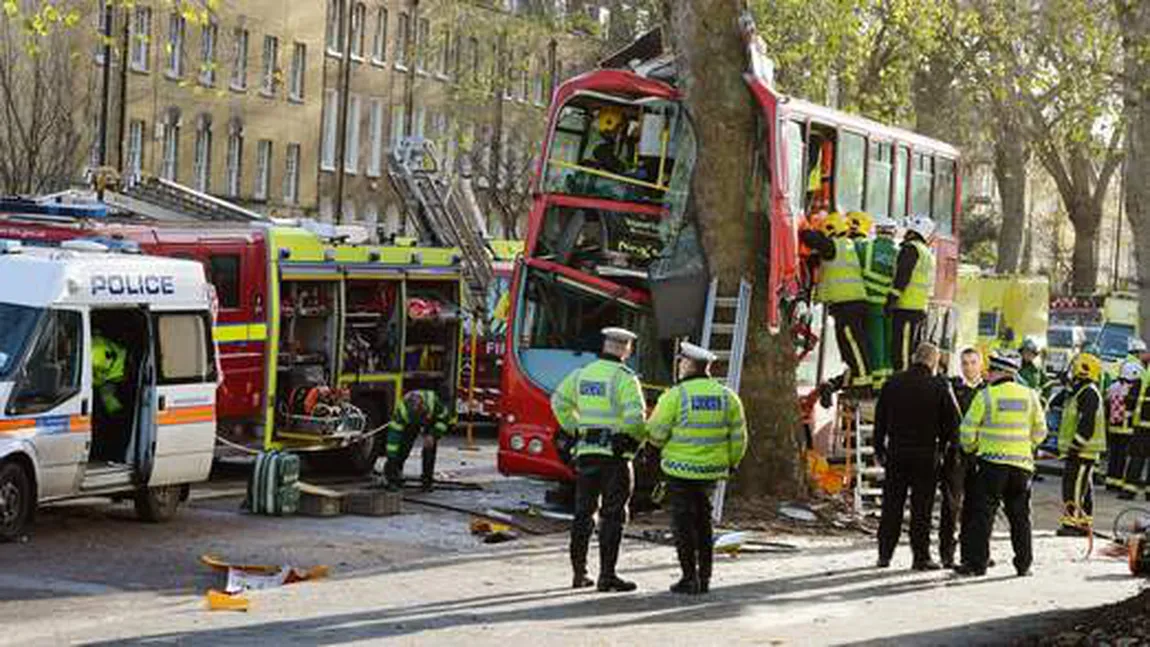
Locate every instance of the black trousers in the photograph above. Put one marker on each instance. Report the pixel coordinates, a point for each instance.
(916, 472)
(393, 468)
(1078, 492)
(607, 478)
(850, 334)
(994, 484)
(1117, 447)
(691, 524)
(952, 480)
(908, 325)
(1138, 455)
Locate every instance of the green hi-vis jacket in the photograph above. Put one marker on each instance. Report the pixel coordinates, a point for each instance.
(700, 427)
(598, 401)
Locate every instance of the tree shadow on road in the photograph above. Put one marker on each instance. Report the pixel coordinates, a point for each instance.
(577, 610)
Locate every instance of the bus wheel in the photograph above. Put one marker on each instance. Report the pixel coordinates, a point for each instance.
(16, 501)
(158, 504)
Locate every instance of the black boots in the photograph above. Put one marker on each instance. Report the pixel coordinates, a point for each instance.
(612, 583)
(686, 586)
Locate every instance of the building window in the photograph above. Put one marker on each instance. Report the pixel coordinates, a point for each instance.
(334, 28)
(141, 38)
(422, 44)
(540, 80)
(171, 143)
(398, 117)
(203, 160)
(235, 160)
(135, 148)
(524, 78)
(102, 15)
(379, 43)
(351, 144)
(472, 61)
(263, 169)
(240, 63)
(330, 122)
(176, 29)
(375, 162)
(270, 60)
(208, 55)
(444, 61)
(358, 18)
(298, 68)
(291, 175)
(401, 36)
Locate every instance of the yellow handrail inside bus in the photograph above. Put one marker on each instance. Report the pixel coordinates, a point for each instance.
(607, 174)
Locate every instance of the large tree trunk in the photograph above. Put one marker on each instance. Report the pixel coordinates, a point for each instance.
(711, 57)
(1086, 217)
(1010, 156)
(1134, 18)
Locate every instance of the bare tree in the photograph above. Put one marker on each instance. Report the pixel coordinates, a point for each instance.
(43, 108)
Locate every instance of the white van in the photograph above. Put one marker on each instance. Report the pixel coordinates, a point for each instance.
(59, 437)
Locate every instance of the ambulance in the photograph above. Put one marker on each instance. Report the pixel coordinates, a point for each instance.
(70, 426)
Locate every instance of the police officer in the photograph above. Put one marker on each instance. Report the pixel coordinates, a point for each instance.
(1081, 441)
(1030, 374)
(108, 363)
(1134, 483)
(912, 288)
(700, 427)
(840, 286)
(1001, 430)
(420, 413)
(1120, 422)
(602, 405)
(956, 470)
(877, 257)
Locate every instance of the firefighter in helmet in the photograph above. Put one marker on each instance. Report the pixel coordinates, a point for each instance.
(1081, 441)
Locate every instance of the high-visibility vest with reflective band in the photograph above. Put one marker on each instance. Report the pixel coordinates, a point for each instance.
(1142, 405)
(598, 401)
(1004, 425)
(916, 294)
(840, 278)
(878, 258)
(700, 426)
(1068, 428)
(107, 361)
(436, 419)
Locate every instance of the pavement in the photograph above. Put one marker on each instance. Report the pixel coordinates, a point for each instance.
(92, 575)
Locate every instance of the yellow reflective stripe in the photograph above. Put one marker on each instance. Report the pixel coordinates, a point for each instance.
(231, 333)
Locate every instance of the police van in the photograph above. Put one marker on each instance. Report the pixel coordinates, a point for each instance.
(108, 379)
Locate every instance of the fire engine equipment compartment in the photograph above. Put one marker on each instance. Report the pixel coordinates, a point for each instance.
(432, 338)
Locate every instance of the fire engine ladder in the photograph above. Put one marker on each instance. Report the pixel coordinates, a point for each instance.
(725, 325)
(857, 421)
(438, 211)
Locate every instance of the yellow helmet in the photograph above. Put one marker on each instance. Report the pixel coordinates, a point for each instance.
(1087, 366)
(860, 222)
(833, 224)
(610, 118)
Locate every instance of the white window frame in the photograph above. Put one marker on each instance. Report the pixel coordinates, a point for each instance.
(358, 31)
(351, 141)
(402, 36)
(202, 161)
(333, 40)
(239, 79)
(422, 41)
(209, 36)
(170, 141)
(398, 116)
(375, 161)
(263, 176)
(379, 41)
(235, 162)
(296, 87)
(269, 63)
(291, 173)
(135, 147)
(329, 134)
(177, 33)
(141, 38)
(444, 55)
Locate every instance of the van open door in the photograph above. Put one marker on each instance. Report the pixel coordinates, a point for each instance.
(143, 452)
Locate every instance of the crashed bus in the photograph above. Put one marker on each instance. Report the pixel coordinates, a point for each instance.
(611, 240)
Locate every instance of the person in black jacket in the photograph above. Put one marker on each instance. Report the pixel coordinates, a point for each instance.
(917, 412)
(956, 471)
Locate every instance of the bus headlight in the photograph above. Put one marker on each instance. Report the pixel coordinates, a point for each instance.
(517, 443)
(535, 447)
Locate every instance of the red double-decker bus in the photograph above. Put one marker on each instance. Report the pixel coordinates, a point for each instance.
(611, 240)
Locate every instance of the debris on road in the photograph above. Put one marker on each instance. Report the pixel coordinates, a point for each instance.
(492, 532)
(255, 577)
(219, 601)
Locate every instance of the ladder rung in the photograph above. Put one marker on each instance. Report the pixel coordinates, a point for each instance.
(873, 471)
(723, 329)
(866, 451)
(723, 355)
(871, 491)
(727, 302)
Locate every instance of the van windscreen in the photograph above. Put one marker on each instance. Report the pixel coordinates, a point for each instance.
(17, 324)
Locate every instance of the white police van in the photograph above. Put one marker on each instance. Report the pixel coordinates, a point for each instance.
(58, 438)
